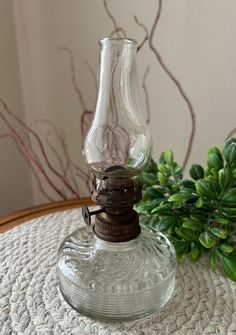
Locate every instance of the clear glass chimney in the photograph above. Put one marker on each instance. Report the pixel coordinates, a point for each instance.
(118, 135)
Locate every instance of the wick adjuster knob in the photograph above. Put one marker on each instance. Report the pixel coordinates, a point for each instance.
(87, 214)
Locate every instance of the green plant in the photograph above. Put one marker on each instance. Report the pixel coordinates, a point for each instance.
(198, 215)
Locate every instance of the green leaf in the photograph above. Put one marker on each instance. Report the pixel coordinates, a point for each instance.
(212, 260)
(152, 193)
(225, 178)
(195, 253)
(212, 179)
(165, 223)
(227, 248)
(229, 266)
(178, 197)
(230, 195)
(144, 219)
(230, 154)
(152, 222)
(189, 184)
(207, 172)
(151, 167)
(229, 141)
(186, 234)
(169, 157)
(218, 231)
(207, 240)
(214, 150)
(171, 229)
(163, 168)
(149, 179)
(221, 220)
(162, 211)
(178, 170)
(162, 179)
(196, 171)
(234, 173)
(205, 189)
(199, 202)
(214, 161)
(214, 172)
(233, 256)
(229, 211)
(162, 158)
(181, 248)
(175, 187)
(145, 207)
(193, 224)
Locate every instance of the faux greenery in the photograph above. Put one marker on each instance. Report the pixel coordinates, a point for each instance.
(198, 215)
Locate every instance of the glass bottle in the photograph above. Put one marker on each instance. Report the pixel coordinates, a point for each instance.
(113, 269)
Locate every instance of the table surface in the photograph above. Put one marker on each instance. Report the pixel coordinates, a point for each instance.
(16, 218)
(203, 303)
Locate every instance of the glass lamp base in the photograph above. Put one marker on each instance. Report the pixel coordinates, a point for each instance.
(116, 281)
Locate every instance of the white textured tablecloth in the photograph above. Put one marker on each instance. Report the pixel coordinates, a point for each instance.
(30, 302)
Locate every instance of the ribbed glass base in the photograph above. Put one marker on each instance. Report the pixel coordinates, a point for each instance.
(116, 281)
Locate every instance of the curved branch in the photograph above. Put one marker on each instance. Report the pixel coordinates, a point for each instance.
(83, 124)
(73, 75)
(64, 169)
(145, 30)
(230, 134)
(93, 74)
(24, 154)
(38, 140)
(146, 94)
(175, 81)
(30, 156)
(117, 29)
(63, 144)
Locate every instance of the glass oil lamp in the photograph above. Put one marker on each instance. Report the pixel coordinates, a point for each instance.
(111, 268)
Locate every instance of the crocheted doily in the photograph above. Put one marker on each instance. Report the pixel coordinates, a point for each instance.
(30, 302)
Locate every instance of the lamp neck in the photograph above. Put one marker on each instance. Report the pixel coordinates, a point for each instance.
(118, 222)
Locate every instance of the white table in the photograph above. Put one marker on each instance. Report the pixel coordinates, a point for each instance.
(30, 302)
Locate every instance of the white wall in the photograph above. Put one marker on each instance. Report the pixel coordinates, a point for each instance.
(195, 38)
(15, 182)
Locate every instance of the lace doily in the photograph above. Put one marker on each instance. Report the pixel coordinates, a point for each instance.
(30, 302)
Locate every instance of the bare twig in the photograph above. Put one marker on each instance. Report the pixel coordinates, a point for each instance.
(175, 81)
(231, 133)
(117, 30)
(71, 172)
(114, 32)
(38, 140)
(22, 151)
(58, 156)
(30, 156)
(95, 80)
(84, 124)
(55, 151)
(67, 170)
(146, 94)
(93, 74)
(73, 76)
(62, 140)
(145, 30)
